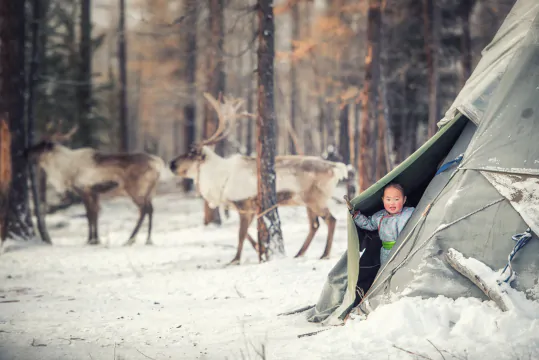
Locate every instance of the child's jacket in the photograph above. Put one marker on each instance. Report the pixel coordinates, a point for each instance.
(389, 226)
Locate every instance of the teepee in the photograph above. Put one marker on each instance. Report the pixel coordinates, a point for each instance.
(475, 186)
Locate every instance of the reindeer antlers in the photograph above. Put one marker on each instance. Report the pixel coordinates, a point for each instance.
(226, 112)
(57, 135)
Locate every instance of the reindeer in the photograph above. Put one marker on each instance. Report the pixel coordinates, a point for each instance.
(5, 175)
(301, 181)
(91, 173)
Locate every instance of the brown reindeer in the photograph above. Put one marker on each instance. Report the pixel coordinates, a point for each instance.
(301, 181)
(91, 173)
(5, 175)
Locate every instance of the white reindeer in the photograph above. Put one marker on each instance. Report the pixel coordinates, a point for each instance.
(301, 181)
(90, 173)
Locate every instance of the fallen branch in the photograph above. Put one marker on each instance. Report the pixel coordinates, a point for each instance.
(442, 355)
(71, 339)
(9, 301)
(493, 291)
(144, 354)
(35, 344)
(411, 353)
(312, 333)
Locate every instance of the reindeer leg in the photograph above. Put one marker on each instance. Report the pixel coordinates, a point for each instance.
(314, 225)
(330, 222)
(245, 220)
(149, 210)
(253, 242)
(95, 214)
(250, 217)
(142, 211)
(89, 202)
(246, 217)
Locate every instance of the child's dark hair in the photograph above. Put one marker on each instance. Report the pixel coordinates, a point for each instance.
(396, 186)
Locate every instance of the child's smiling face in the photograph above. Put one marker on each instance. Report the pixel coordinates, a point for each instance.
(394, 200)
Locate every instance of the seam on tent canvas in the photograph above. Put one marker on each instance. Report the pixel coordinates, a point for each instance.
(518, 171)
(440, 228)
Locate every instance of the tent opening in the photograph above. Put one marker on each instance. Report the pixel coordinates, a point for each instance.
(414, 174)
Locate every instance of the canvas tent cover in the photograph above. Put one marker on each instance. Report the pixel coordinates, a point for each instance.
(475, 207)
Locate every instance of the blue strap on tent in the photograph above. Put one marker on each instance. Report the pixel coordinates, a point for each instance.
(521, 239)
(447, 165)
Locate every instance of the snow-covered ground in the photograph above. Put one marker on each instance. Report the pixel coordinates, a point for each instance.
(178, 300)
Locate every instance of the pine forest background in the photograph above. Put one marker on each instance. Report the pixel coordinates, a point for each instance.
(359, 81)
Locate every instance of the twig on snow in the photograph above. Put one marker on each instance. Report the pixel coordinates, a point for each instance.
(35, 344)
(312, 333)
(71, 339)
(144, 354)
(442, 355)
(411, 353)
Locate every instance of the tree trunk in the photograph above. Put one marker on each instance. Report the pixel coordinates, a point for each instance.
(215, 85)
(352, 132)
(370, 95)
(84, 89)
(32, 82)
(389, 143)
(464, 11)
(344, 136)
(250, 109)
(384, 115)
(122, 64)
(5, 174)
(270, 237)
(431, 18)
(294, 78)
(251, 101)
(381, 167)
(189, 43)
(12, 94)
(346, 142)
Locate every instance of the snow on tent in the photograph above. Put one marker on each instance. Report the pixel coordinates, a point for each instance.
(474, 204)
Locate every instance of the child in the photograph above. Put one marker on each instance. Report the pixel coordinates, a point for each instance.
(390, 221)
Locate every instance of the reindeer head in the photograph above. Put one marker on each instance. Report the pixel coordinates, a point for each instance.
(48, 145)
(227, 113)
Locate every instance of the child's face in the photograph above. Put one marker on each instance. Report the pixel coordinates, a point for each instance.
(393, 200)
